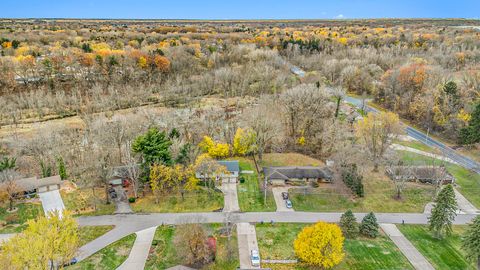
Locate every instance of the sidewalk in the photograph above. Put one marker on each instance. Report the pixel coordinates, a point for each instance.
(139, 253)
(411, 253)
(463, 204)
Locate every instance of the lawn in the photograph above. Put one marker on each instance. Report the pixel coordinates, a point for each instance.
(164, 254)
(379, 197)
(250, 196)
(109, 257)
(16, 222)
(198, 201)
(90, 233)
(276, 242)
(417, 145)
(442, 253)
(87, 202)
(469, 182)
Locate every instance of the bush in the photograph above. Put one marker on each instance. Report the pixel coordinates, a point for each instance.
(242, 179)
(352, 179)
(369, 226)
(131, 199)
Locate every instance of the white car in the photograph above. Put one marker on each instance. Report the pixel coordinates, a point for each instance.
(255, 258)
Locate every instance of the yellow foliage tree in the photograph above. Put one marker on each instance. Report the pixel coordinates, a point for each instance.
(243, 142)
(214, 149)
(142, 62)
(320, 245)
(47, 243)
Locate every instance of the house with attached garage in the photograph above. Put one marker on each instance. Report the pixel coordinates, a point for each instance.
(33, 185)
(297, 174)
(231, 173)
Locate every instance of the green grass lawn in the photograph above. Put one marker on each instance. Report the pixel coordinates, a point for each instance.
(379, 197)
(442, 253)
(250, 197)
(417, 145)
(164, 254)
(108, 258)
(276, 242)
(469, 182)
(198, 201)
(86, 202)
(90, 233)
(19, 218)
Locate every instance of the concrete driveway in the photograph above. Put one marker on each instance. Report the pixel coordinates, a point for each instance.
(229, 189)
(279, 201)
(51, 201)
(247, 241)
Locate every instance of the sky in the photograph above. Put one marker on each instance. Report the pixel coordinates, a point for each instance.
(240, 9)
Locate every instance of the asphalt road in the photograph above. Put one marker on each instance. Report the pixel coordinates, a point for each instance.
(462, 160)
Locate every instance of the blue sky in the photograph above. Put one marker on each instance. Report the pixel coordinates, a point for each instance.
(236, 9)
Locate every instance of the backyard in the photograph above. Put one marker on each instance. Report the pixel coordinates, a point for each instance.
(163, 254)
(276, 242)
(443, 253)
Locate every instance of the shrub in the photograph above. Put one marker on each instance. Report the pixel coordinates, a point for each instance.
(242, 179)
(369, 226)
(352, 179)
(131, 199)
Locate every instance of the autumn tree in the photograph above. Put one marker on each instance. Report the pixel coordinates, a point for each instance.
(471, 241)
(162, 180)
(444, 212)
(209, 170)
(214, 149)
(369, 226)
(244, 144)
(349, 225)
(320, 245)
(191, 243)
(47, 243)
(377, 132)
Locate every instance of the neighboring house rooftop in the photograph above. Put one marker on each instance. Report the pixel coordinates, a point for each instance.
(429, 174)
(297, 172)
(33, 183)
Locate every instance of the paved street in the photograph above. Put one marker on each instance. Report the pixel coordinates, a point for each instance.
(279, 201)
(247, 241)
(412, 254)
(139, 253)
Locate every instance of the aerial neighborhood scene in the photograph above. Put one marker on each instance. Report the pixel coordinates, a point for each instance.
(240, 135)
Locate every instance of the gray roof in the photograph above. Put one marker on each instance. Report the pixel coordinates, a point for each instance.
(419, 172)
(288, 172)
(232, 165)
(32, 183)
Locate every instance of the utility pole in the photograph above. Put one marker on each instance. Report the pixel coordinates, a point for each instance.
(426, 138)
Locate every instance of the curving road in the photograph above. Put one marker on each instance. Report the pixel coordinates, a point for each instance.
(460, 159)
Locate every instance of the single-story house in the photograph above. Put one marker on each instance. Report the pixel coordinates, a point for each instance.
(233, 170)
(422, 174)
(34, 185)
(286, 174)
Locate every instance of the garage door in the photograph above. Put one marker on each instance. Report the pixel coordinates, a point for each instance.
(51, 201)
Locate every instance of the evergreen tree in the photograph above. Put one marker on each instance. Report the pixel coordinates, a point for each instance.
(471, 133)
(369, 226)
(62, 170)
(443, 213)
(471, 241)
(46, 169)
(349, 225)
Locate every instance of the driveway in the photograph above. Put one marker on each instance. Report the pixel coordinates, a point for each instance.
(247, 241)
(229, 189)
(139, 253)
(121, 202)
(279, 201)
(51, 201)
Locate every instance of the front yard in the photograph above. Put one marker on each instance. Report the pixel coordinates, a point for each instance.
(198, 201)
(90, 233)
(276, 242)
(17, 221)
(164, 255)
(87, 202)
(442, 253)
(379, 197)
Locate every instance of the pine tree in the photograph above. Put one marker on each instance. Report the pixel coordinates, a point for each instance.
(62, 170)
(471, 241)
(444, 212)
(369, 226)
(471, 133)
(349, 225)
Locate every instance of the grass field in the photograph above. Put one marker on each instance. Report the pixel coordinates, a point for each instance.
(90, 233)
(276, 242)
(198, 201)
(469, 182)
(109, 257)
(87, 199)
(417, 145)
(17, 220)
(379, 197)
(442, 253)
(165, 255)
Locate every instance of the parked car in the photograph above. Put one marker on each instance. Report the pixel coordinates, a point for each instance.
(288, 203)
(285, 195)
(255, 258)
(71, 262)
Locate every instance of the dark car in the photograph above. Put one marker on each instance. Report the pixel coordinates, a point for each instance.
(285, 195)
(71, 262)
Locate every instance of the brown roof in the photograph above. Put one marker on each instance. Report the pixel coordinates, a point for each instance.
(420, 172)
(32, 183)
